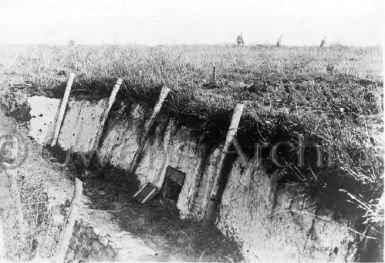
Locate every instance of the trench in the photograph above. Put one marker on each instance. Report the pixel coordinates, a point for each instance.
(157, 222)
(152, 231)
(256, 216)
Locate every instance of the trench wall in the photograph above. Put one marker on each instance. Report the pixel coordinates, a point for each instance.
(271, 222)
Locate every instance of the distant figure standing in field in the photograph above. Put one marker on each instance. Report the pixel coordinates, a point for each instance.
(240, 40)
(279, 41)
(323, 42)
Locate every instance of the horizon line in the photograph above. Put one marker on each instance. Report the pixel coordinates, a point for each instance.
(380, 45)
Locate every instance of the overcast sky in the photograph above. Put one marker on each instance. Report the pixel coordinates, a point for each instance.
(302, 22)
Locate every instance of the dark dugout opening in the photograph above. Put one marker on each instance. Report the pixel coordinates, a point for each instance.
(173, 183)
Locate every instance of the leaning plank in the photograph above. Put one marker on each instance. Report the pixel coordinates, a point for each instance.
(214, 197)
(135, 161)
(111, 101)
(147, 192)
(62, 109)
(70, 222)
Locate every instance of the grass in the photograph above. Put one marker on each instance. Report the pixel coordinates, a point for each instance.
(331, 97)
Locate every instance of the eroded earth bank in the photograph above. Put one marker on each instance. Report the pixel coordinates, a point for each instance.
(260, 216)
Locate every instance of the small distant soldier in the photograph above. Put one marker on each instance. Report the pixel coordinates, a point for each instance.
(323, 42)
(279, 41)
(240, 40)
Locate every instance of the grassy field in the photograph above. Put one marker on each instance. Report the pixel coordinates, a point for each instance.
(331, 97)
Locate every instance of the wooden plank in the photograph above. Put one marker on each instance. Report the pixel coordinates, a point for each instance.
(62, 109)
(135, 161)
(150, 195)
(70, 222)
(214, 196)
(140, 190)
(106, 113)
(147, 192)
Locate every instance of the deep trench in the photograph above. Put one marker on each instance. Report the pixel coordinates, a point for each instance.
(118, 185)
(188, 238)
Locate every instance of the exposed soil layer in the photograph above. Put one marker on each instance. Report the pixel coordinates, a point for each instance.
(117, 197)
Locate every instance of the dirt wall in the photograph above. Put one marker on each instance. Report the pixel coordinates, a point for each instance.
(270, 222)
(268, 218)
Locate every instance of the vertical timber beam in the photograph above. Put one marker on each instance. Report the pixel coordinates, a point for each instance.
(106, 113)
(213, 80)
(135, 161)
(214, 196)
(70, 222)
(62, 109)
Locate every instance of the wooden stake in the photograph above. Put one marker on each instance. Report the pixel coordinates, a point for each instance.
(16, 196)
(70, 222)
(111, 101)
(62, 109)
(214, 197)
(147, 128)
(213, 77)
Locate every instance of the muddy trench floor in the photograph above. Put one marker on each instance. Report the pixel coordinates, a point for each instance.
(157, 221)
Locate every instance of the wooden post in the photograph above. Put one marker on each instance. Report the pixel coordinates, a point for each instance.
(15, 194)
(213, 77)
(135, 161)
(70, 222)
(111, 101)
(62, 109)
(214, 196)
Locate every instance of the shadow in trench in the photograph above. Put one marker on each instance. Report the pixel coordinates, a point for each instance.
(157, 221)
